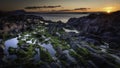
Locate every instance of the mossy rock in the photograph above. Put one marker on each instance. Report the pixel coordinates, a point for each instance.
(21, 42)
(64, 63)
(78, 57)
(12, 50)
(83, 52)
(21, 53)
(45, 56)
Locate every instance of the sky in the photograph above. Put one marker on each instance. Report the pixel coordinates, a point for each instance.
(60, 5)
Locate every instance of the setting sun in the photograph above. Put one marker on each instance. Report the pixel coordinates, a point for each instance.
(109, 9)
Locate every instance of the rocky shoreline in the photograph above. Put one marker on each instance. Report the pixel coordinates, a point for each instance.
(86, 42)
(103, 26)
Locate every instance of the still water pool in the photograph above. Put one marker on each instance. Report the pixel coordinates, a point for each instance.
(13, 43)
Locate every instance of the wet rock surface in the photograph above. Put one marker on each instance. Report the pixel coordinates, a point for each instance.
(86, 42)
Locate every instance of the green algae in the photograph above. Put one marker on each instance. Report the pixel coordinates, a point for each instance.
(12, 50)
(45, 55)
(78, 57)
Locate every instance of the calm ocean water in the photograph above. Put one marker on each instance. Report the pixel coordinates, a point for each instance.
(60, 17)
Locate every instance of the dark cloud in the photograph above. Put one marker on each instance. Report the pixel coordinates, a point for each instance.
(82, 9)
(69, 10)
(65, 10)
(38, 7)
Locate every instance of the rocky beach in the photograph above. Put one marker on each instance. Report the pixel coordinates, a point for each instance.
(86, 42)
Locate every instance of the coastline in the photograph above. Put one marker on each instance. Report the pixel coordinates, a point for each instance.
(93, 46)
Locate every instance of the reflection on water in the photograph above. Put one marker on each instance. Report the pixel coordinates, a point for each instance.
(60, 17)
(37, 56)
(13, 43)
(50, 49)
(10, 43)
(68, 30)
(68, 55)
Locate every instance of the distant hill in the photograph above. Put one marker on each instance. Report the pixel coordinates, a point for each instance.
(17, 12)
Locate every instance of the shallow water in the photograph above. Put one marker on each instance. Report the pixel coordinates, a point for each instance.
(37, 56)
(68, 30)
(10, 43)
(50, 49)
(13, 43)
(68, 56)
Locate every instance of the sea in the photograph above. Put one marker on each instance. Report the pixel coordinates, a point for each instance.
(60, 17)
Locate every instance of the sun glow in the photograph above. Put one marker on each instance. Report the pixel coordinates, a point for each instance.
(109, 9)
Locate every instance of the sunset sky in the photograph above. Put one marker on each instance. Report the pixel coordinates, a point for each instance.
(60, 5)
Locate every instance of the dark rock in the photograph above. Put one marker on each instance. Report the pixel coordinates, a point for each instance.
(104, 26)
